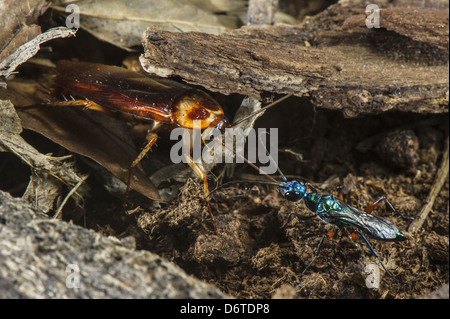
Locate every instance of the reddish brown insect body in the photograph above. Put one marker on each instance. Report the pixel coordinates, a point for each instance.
(116, 90)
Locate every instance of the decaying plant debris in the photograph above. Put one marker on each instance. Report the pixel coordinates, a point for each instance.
(354, 69)
(369, 114)
(19, 24)
(49, 173)
(130, 18)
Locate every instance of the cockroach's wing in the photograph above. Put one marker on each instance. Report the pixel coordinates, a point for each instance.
(118, 89)
(92, 135)
(374, 226)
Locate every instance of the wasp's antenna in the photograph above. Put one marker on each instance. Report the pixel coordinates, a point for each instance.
(274, 182)
(218, 139)
(242, 181)
(265, 108)
(273, 161)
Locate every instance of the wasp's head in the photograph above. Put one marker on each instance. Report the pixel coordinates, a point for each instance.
(293, 191)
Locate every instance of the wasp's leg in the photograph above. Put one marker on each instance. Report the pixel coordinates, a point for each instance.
(352, 234)
(370, 208)
(333, 232)
(315, 254)
(375, 254)
(340, 196)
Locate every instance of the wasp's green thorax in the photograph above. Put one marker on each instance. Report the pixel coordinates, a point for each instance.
(321, 203)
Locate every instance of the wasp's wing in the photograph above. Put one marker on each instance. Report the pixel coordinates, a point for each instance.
(374, 226)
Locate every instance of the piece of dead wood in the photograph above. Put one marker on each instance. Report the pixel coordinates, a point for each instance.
(429, 25)
(45, 258)
(355, 70)
(234, 62)
(439, 181)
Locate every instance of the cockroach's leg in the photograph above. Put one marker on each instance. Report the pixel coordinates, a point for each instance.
(199, 172)
(84, 103)
(204, 177)
(151, 139)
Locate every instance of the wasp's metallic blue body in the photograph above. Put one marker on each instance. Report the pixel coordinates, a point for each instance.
(332, 210)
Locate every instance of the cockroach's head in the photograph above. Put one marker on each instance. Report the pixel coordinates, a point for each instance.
(293, 190)
(220, 123)
(196, 109)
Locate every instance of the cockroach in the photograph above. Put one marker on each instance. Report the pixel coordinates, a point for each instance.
(114, 90)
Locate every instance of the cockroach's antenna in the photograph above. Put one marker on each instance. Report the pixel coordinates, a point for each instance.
(265, 108)
(274, 181)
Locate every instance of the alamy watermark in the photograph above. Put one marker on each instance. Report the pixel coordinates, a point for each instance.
(73, 19)
(73, 279)
(373, 277)
(373, 18)
(226, 147)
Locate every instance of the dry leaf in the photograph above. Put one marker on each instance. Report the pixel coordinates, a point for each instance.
(122, 23)
(17, 20)
(29, 49)
(96, 136)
